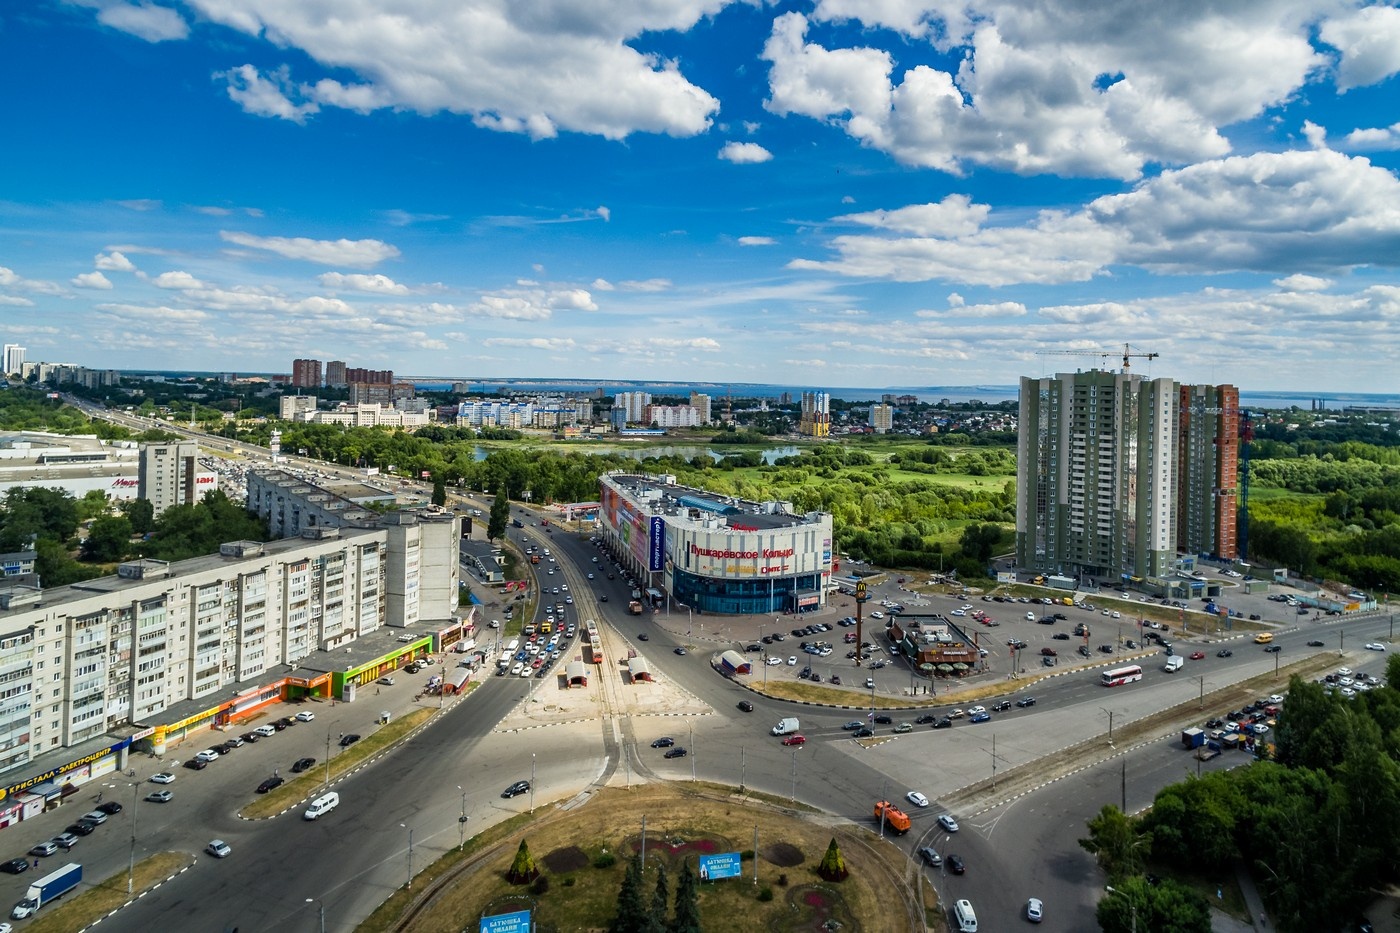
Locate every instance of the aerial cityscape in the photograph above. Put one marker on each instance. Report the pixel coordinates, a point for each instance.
(701, 466)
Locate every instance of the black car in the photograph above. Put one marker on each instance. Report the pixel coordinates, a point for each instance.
(643, 636)
(250, 737)
(1084, 650)
(1061, 636)
(111, 808)
(663, 742)
(864, 732)
(1215, 723)
(196, 764)
(676, 753)
(752, 648)
(925, 719)
(1272, 649)
(14, 866)
(1315, 644)
(680, 650)
(1001, 706)
(955, 864)
(1227, 653)
(270, 784)
(602, 598)
(281, 724)
(1025, 701)
(944, 723)
(348, 739)
(746, 706)
(303, 764)
(884, 720)
(81, 828)
(516, 789)
(1106, 649)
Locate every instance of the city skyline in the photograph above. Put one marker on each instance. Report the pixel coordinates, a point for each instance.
(817, 193)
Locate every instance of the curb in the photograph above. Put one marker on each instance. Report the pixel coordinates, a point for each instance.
(107, 916)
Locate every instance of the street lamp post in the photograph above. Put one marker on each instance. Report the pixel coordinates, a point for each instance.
(1132, 904)
(321, 906)
(462, 822)
(1110, 725)
(691, 725)
(532, 782)
(328, 757)
(410, 854)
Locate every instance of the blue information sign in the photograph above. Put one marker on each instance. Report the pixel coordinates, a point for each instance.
(518, 922)
(723, 865)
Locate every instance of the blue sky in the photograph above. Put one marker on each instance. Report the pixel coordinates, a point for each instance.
(834, 193)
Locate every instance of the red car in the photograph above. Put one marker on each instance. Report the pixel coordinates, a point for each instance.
(1197, 655)
(795, 740)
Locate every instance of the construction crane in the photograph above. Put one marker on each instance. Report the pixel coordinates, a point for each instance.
(1104, 354)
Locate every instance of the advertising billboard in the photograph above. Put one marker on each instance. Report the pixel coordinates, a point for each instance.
(518, 922)
(656, 544)
(721, 865)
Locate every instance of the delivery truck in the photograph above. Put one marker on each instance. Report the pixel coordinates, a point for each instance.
(785, 726)
(48, 888)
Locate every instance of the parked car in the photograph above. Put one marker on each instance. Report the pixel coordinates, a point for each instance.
(164, 777)
(14, 866)
(160, 796)
(306, 715)
(677, 752)
(348, 739)
(270, 784)
(664, 742)
(516, 789)
(44, 848)
(1035, 910)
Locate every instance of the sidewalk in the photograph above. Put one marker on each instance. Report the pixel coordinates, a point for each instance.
(1252, 900)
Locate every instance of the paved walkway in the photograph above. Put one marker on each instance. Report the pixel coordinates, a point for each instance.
(1252, 899)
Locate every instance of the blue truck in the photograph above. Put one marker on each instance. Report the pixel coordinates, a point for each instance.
(48, 888)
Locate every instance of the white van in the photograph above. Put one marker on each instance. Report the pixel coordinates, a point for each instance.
(322, 805)
(1174, 664)
(966, 917)
(785, 726)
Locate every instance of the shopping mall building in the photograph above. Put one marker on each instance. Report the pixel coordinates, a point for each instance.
(715, 553)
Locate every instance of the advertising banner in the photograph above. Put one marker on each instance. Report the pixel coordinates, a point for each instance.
(518, 922)
(656, 544)
(722, 865)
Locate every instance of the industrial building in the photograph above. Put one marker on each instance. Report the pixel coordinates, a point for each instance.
(712, 553)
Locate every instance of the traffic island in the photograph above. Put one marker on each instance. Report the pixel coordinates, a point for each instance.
(586, 850)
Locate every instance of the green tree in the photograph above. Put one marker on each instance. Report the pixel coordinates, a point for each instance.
(522, 869)
(439, 489)
(141, 513)
(500, 516)
(1166, 907)
(660, 900)
(686, 917)
(979, 541)
(632, 914)
(108, 539)
(833, 866)
(1117, 842)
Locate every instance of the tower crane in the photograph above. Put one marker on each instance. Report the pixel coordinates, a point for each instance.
(1103, 353)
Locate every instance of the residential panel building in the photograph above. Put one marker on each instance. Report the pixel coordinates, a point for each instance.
(306, 374)
(1208, 467)
(816, 414)
(14, 359)
(881, 418)
(168, 475)
(634, 403)
(335, 373)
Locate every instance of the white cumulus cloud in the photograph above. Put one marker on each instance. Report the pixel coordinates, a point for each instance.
(756, 241)
(326, 252)
(91, 280)
(176, 280)
(373, 284)
(510, 66)
(148, 21)
(744, 153)
(1303, 283)
(1369, 42)
(1049, 87)
(1373, 139)
(113, 261)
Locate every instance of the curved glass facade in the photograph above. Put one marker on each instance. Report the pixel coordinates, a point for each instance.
(740, 597)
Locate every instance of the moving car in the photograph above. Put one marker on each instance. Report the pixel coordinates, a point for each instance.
(516, 789)
(955, 864)
(1227, 653)
(916, 798)
(1025, 701)
(664, 742)
(746, 706)
(947, 822)
(864, 732)
(944, 723)
(1315, 644)
(677, 752)
(1197, 655)
(1374, 646)
(306, 715)
(853, 725)
(218, 848)
(795, 740)
(904, 727)
(1273, 649)
(884, 719)
(680, 650)
(1035, 910)
(980, 717)
(930, 856)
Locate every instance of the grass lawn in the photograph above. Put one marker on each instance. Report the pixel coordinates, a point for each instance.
(81, 911)
(582, 854)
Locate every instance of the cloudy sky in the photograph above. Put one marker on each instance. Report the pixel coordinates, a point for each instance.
(835, 192)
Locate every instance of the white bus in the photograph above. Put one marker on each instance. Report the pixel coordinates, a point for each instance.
(1122, 675)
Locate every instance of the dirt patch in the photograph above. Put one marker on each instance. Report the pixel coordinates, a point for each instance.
(568, 859)
(819, 908)
(783, 854)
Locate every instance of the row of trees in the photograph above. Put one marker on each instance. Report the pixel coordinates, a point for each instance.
(1319, 825)
(638, 913)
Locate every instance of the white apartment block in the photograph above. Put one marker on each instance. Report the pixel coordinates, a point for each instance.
(86, 660)
(634, 403)
(702, 405)
(169, 475)
(289, 407)
(365, 415)
(671, 416)
(14, 359)
(881, 418)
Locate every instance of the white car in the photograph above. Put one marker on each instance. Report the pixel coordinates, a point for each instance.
(965, 607)
(1344, 671)
(916, 798)
(1374, 646)
(1035, 910)
(792, 661)
(877, 614)
(973, 711)
(305, 716)
(1275, 699)
(164, 777)
(957, 612)
(1030, 617)
(218, 848)
(773, 662)
(948, 823)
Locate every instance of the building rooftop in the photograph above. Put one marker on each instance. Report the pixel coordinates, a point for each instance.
(662, 496)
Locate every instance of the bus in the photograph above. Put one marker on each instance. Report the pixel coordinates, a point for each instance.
(1263, 638)
(1122, 675)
